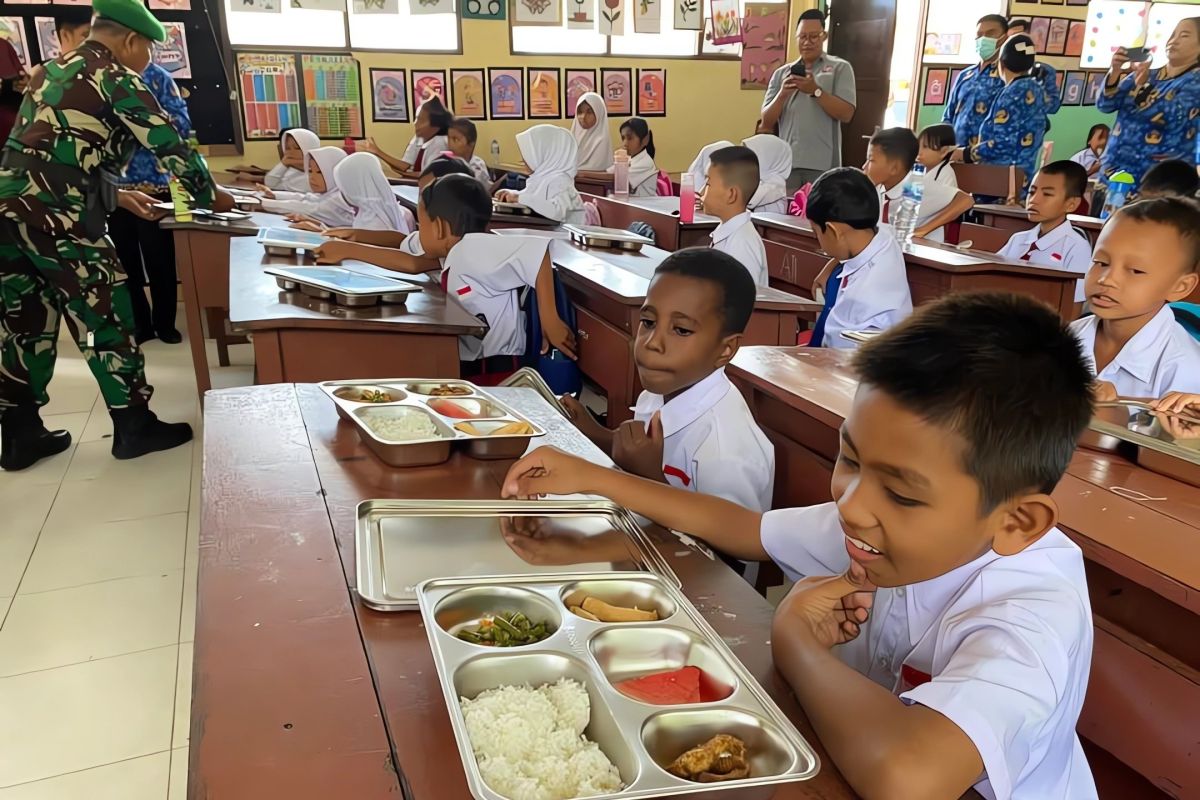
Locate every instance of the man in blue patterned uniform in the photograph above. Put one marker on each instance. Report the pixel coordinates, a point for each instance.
(977, 87)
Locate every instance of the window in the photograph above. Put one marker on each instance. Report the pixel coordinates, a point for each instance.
(297, 29)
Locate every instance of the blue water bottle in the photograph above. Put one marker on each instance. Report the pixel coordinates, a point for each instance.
(1120, 186)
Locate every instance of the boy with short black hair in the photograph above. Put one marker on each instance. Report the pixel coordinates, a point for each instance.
(940, 635)
(1056, 191)
(1171, 178)
(866, 282)
(462, 136)
(733, 179)
(691, 428)
(891, 154)
(1146, 257)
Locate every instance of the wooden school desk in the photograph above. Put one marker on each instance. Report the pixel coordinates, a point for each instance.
(661, 214)
(301, 338)
(1011, 219)
(300, 691)
(1142, 558)
(583, 184)
(794, 261)
(408, 197)
(608, 289)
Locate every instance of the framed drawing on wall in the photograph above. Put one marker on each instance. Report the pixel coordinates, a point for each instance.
(469, 93)
(617, 91)
(545, 99)
(389, 95)
(506, 92)
(579, 83)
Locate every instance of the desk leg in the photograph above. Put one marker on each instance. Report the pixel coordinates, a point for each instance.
(268, 357)
(191, 303)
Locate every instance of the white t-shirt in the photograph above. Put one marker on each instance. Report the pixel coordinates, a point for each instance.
(482, 174)
(1062, 248)
(873, 293)
(711, 443)
(432, 149)
(1001, 647)
(738, 237)
(643, 176)
(1162, 357)
(944, 174)
(937, 196)
(1086, 158)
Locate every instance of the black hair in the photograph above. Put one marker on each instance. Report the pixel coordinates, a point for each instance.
(466, 128)
(72, 17)
(812, 14)
(726, 273)
(1096, 129)
(899, 144)
(1075, 177)
(1172, 177)
(998, 19)
(1019, 54)
(459, 200)
(845, 195)
(1003, 372)
(641, 129)
(739, 167)
(447, 166)
(1021, 24)
(938, 136)
(439, 117)
(1182, 216)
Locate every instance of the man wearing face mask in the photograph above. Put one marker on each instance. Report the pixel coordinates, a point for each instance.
(77, 127)
(978, 85)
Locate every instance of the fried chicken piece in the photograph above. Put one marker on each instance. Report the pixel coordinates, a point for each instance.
(721, 758)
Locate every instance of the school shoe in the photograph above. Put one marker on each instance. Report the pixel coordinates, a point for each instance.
(24, 440)
(137, 431)
(170, 336)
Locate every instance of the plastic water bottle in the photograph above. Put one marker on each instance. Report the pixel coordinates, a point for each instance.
(1120, 186)
(905, 218)
(349, 146)
(621, 174)
(179, 200)
(687, 198)
(495, 152)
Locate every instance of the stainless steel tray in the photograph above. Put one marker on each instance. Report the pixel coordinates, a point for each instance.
(616, 238)
(403, 542)
(412, 396)
(528, 378)
(343, 286)
(639, 739)
(285, 241)
(1172, 449)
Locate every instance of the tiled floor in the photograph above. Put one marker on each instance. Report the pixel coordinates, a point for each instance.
(97, 598)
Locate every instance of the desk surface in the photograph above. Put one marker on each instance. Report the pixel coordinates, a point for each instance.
(257, 303)
(409, 195)
(245, 227)
(1017, 212)
(302, 692)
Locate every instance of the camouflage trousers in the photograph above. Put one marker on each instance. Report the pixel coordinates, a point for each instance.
(44, 278)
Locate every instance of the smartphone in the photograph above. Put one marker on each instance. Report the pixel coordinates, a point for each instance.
(799, 70)
(1136, 55)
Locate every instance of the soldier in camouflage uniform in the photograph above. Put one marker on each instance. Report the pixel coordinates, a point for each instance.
(79, 123)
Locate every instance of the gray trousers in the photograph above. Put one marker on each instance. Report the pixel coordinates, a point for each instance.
(801, 176)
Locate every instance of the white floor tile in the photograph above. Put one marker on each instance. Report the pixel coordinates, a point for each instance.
(25, 511)
(187, 613)
(4, 603)
(73, 388)
(94, 462)
(179, 774)
(71, 555)
(105, 490)
(183, 697)
(86, 715)
(89, 622)
(144, 778)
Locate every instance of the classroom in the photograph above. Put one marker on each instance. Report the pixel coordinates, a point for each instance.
(550, 399)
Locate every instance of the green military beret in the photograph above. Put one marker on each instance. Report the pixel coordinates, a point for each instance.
(133, 15)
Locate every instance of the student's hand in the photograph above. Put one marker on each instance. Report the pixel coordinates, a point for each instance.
(340, 233)
(548, 470)
(139, 204)
(959, 154)
(308, 225)
(638, 447)
(582, 418)
(293, 159)
(264, 192)
(506, 196)
(824, 612)
(223, 201)
(555, 333)
(370, 146)
(332, 252)
(1179, 403)
(1103, 392)
(923, 233)
(1179, 427)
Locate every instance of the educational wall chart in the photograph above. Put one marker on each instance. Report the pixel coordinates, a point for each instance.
(172, 55)
(617, 91)
(506, 93)
(428, 83)
(269, 95)
(13, 29)
(764, 43)
(389, 91)
(333, 104)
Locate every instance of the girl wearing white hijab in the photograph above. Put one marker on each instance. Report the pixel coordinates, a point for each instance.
(591, 133)
(699, 167)
(551, 155)
(774, 167)
(323, 202)
(289, 174)
(366, 190)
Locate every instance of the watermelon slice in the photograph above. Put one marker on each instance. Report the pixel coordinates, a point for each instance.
(677, 687)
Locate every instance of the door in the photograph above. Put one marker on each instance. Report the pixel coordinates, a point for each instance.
(862, 32)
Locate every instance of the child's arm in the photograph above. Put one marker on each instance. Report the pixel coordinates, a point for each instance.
(338, 250)
(959, 205)
(555, 332)
(727, 526)
(1179, 403)
(398, 164)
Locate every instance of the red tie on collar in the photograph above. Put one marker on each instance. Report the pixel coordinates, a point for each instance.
(887, 209)
(1033, 248)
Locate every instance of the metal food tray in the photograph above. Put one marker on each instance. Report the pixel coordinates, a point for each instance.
(285, 241)
(529, 378)
(411, 396)
(1152, 446)
(400, 543)
(640, 739)
(343, 286)
(615, 238)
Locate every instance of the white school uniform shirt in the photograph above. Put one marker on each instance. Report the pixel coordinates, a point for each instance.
(934, 201)
(1086, 158)
(486, 273)
(774, 169)
(711, 443)
(482, 173)
(290, 179)
(432, 149)
(551, 154)
(873, 294)
(1000, 646)
(329, 207)
(944, 173)
(1160, 358)
(738, 237)
(1062, 248)
(643, 176)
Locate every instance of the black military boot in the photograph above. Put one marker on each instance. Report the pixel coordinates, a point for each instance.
(137, 431)
(24, 440)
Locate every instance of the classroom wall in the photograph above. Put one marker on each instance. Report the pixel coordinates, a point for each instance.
(705, 101)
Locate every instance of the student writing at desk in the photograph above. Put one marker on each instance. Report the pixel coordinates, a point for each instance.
(940, 635)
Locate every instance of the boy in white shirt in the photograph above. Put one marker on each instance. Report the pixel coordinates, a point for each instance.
(891, 154)
(940, 635)
(691, 428)
(732, 179)
(1146, 257)
(462, 136)
(1056, 191)
(866, 282)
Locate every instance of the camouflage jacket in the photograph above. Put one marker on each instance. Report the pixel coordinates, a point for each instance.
(87, 111)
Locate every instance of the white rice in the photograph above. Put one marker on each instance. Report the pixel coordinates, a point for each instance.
(530, 744)
(399, 425)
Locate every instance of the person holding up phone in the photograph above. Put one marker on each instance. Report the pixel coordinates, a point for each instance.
(809, 101)
(1155, 108)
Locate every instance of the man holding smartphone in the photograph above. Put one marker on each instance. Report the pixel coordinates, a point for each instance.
(809, 101)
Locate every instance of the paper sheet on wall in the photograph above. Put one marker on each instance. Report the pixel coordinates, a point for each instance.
(612, 18)
(647, 16)
(581, 14)
(257, 6)
(319, 5)
(172, 55)
(431, 7)
(13, 29)
(47, 37)
(1112, 24)
(726, 22)
(764, 43)
(376, 6)
(689, 15)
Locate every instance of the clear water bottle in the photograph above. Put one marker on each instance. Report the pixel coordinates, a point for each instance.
(904, 219)
(621, 174)
(1120, 186)
(495, 152)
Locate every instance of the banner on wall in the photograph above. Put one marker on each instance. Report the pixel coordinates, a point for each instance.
(764, 43)
(579, 83)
